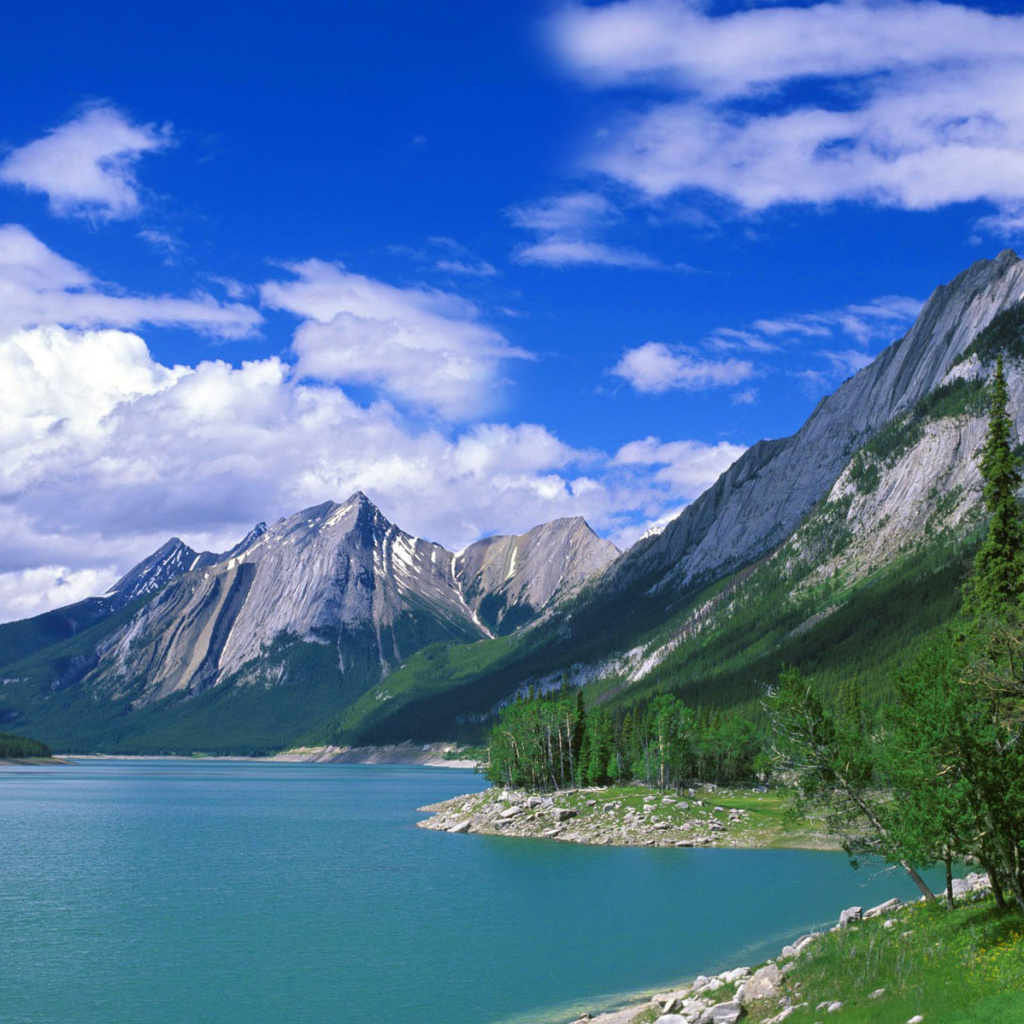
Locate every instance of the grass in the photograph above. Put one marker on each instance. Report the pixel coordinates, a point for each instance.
(952, 967)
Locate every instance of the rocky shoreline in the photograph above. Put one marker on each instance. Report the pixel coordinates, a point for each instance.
(430, 755)
(768, 992)
(626, 816)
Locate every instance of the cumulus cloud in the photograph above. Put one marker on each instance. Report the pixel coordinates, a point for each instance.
(422, 347)
(33, 591)
(86, 167)
(566, 227)
(108, 452)
(689, 466)
(38, 286)
(912, 105)
(654, 368)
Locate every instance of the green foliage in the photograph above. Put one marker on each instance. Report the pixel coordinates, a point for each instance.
(14, 747)
(864, 474)
(930, 738)
(551, 742)
(998, 579)
(1004, 336)
(965, 967)
(537, 743)
(957, 398)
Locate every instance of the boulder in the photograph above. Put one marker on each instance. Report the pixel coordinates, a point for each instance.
(562, 813)
(462, 826)
(764, 983)
(885, 908)
(722, 1013)
(850, 915)
(736, 974)
(970, 883)
(800, 945)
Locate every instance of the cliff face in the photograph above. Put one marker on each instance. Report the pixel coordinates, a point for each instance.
(337, 577)
(759, 501)
(508, 580)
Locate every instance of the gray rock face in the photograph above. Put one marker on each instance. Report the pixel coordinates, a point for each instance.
(165, 565)
(329, 568)
(758, 502)
(333, 574)
(508, 580)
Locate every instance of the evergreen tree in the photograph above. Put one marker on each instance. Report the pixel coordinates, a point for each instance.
(998, 581)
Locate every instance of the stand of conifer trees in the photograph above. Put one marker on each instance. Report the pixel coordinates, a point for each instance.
(21, 746)
(546, 742)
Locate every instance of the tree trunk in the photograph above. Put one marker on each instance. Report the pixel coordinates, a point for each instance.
(948, 861)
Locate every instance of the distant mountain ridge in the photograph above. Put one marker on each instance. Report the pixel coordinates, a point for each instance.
(338, 584)
(784, 548)
(335, 624)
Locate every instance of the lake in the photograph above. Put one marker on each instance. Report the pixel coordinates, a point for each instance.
(229, 892)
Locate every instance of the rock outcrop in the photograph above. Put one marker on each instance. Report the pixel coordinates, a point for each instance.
(508, 580)
(759, 501)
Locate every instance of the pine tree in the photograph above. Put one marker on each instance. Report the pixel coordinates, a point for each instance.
(998, 582)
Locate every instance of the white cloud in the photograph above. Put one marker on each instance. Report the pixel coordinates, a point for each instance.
(690, 466)
(865, 323)
(422, 347)
(481, 269)
(915, 105)
(86, 167)
(33, 591)
(108, 452)
(654, 368)
(164, 243)
(458, 259)
(38, 286)
(562, 252)
(566, 226)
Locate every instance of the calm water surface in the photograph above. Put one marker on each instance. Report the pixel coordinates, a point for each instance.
(214, 892)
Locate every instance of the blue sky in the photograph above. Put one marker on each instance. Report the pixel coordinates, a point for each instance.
(490, 263)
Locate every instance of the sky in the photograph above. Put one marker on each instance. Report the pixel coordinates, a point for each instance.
(491, 264)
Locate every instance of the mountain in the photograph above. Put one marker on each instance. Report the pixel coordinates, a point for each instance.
(508, 580)
(759, 501)
(836, 548)
(293, 623)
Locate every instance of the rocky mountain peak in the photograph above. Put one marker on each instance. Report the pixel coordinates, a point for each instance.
(171, 560)
(759, 501)
(507, 580)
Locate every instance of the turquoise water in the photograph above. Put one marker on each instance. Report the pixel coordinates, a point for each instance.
(180, 892)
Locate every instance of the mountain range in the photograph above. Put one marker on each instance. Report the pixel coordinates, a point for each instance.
(838, 548)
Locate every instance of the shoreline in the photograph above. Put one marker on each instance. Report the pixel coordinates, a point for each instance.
(708, 816)
(728, 996)
(430, 755)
